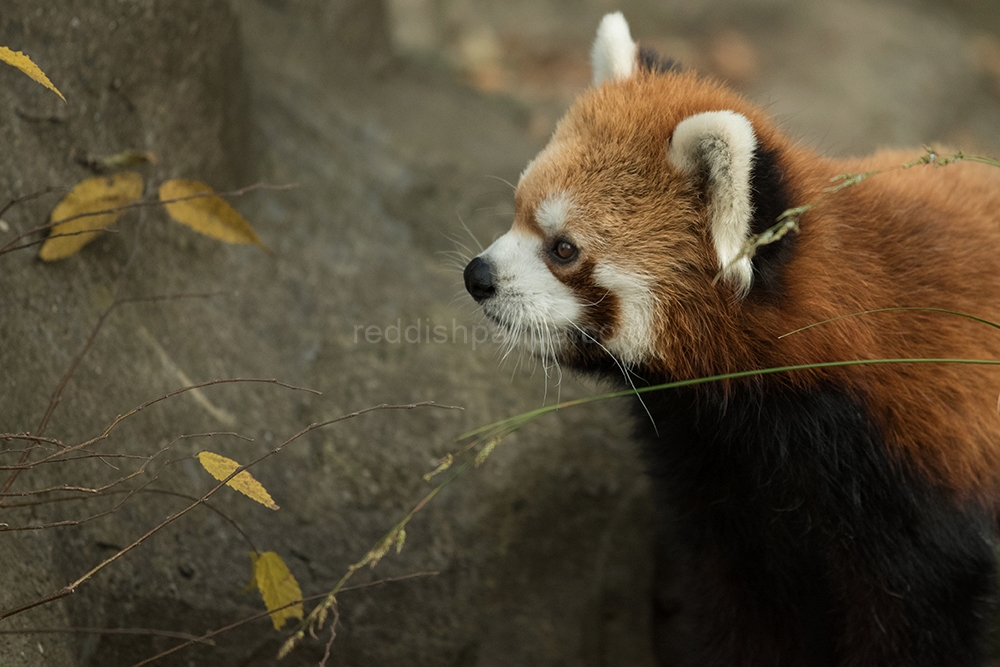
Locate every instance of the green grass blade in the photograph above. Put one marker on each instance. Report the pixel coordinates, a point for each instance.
(507, 426)
(886, 310)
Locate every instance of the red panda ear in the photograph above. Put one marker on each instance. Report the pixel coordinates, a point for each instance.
(613, 55)
(719, 146)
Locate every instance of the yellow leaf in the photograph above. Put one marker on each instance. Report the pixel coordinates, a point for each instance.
(207, 213)
(23, 63)
(76, 209)
(277, 586)
(220, 468)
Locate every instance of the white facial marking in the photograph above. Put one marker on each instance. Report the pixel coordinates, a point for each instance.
(551, 214)
(613, 55)
(722, 144)
(529, 302)
(633, 339)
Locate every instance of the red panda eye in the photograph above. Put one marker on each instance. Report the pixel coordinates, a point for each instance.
(564, 250)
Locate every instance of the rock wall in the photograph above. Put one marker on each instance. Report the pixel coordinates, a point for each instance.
(538, 557)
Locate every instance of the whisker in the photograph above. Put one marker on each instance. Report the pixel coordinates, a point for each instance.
(598, 302)
(501, 209)
(625, 371)
(465, 253)
(537, 343)
(469, 232)
(504, 181)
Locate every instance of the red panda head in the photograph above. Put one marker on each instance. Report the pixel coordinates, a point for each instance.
(650, 187)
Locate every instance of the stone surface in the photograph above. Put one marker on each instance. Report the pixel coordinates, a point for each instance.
(536, 545)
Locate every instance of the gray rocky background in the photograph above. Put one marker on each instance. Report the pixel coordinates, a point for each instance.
(399, 122)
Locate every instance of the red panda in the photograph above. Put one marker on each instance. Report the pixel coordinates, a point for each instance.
(837, 516)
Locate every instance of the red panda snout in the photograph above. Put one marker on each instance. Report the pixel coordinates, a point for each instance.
(551, 291)
(531, 308)
(479, 279)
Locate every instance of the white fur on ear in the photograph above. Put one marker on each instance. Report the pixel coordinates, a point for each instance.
(613, 55)
(720, 145)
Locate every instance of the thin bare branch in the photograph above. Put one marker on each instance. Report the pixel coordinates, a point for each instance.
(333, 635)
(29, 244)
(34, 195)
(222, 515)
(57, 394)
(12, 245)
(128, 495)
(102, 491)
(140, 408)
(70, 588)
(29, 448)
(29, 437)
(249, 619)
(98, 491)
(109, 631)
(104, 435)
(89, 455)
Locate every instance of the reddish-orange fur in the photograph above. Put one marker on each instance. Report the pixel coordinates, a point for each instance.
(920, 237)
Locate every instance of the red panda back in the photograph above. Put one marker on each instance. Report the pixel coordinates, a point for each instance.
(924, 237)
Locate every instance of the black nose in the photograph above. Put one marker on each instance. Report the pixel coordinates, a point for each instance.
(479, 279)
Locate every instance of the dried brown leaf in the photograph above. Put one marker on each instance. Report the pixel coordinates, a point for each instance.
(220, 467)
(205, 212)
(24, 63)
(102, 164)
(278, 587)
(87, 197)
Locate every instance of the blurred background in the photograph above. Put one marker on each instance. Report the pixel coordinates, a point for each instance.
(845, 75)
